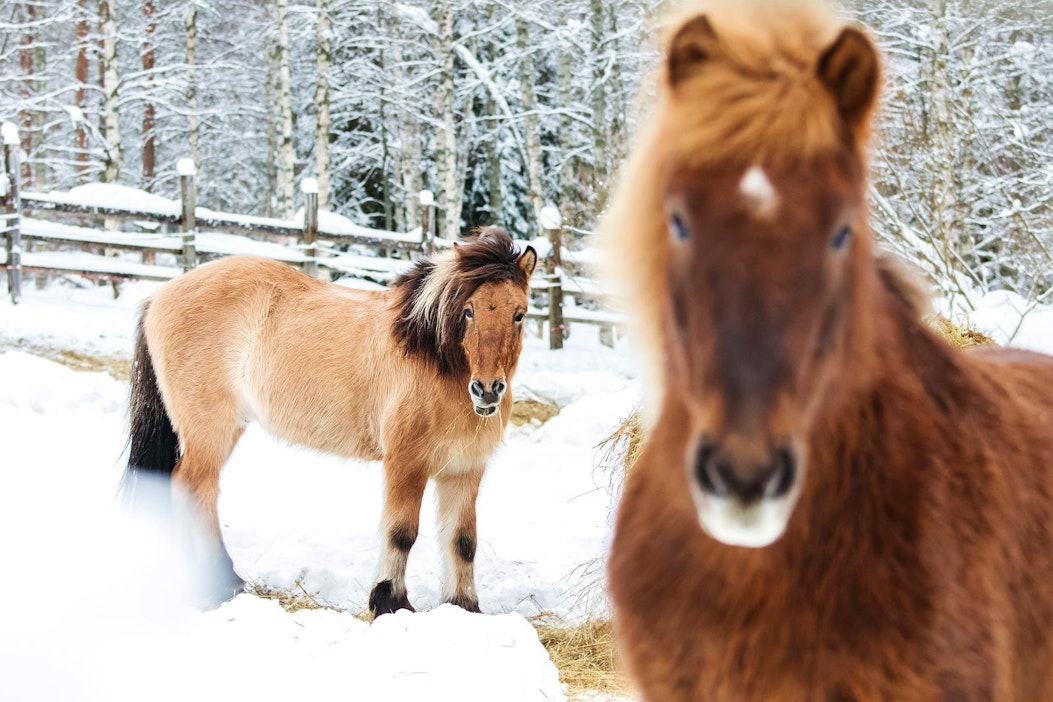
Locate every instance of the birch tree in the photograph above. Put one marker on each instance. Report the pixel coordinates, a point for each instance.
(149, 62)
(446, 149)
(110, 106)
(284, 188)
(193, 123)
(531, 124)
(321, 104)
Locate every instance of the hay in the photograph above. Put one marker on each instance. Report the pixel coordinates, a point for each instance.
(584, 654)
(290, 600)
(625, 443)
(118, 368)
(959, 336)
(526, 411)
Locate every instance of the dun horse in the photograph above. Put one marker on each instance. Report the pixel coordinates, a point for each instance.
(833, 505)
(416, 376)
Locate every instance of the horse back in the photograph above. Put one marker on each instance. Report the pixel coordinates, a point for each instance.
(243, 339)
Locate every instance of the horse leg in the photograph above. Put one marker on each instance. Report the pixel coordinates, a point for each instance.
(456, 493)
(198, 474)
(403, 492)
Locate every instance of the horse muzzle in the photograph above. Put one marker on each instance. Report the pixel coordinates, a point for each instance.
(744, 497)
(486, 396)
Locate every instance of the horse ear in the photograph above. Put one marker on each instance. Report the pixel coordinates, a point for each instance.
(691, 46)
(850, 69)
(528, 261)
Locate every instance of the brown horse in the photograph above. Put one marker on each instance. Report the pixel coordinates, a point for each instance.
(416, 376)
(832, 504)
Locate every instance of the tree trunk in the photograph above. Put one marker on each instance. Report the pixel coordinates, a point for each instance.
(569, 203)
(80, 74)
(321, 104)
(110, 107)
(531, 125)
(599, 106)
(270, 84)
(409, 135)
(193, 124)
(450, 221)
(26, 63)
(149, 113)
(946, 222)
(284, 166)
(493, 158)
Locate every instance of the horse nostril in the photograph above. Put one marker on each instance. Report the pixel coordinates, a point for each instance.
(784, 472)
(498, 387)
(720, 476)
(708, 469)
(476, 389)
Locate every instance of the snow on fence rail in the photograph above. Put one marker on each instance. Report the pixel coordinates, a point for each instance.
(189, 233)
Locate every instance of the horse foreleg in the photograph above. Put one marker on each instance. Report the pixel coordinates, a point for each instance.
(403, 491)
(456, 495)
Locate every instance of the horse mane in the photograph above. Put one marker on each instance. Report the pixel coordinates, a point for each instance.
(904, 282)
(756, 99)
(430, 297)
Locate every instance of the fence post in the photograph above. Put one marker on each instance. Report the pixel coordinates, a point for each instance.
(309, 188)
(12, 209)
(427, 221)
(552, 222)
(187, 196)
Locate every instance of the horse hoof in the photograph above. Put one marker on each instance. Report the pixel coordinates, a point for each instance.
(468, 604)
(384, 600)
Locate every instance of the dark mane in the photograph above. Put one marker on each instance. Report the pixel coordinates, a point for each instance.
(431, 296)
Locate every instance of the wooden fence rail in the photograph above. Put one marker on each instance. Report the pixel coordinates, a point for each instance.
(189, 233)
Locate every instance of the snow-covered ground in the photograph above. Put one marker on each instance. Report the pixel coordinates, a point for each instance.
(92, 597)
(89, 591)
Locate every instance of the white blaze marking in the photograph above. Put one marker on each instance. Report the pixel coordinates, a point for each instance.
(758, 191)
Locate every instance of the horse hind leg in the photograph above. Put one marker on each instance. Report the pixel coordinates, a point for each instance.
(197, 473)
(456, 494)
(403, 492)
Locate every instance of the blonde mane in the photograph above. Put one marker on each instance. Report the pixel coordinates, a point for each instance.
(758, 101)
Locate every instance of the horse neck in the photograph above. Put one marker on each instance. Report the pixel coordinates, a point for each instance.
(872, 442)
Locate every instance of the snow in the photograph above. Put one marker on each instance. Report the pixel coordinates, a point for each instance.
(1008, 318)
(186, 167)
(99, 599)
(9, 133)
(308, 186)
(102, 600)
(113, 196)
(550, 218)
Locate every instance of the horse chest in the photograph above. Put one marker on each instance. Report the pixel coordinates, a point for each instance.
(467, 449)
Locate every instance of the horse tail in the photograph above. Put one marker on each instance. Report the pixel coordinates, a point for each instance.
(153, 447)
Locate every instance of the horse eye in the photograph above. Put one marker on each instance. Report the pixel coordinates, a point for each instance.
(518, 317)
(468, 313)
(677, 228)
(841, 237)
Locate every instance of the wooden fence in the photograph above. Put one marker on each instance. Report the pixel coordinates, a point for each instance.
(188, 234)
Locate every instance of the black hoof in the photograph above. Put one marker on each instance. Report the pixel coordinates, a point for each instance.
(468, 604)
(384, 600)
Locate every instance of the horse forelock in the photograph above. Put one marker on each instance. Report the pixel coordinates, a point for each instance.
(758, 98)
(430, 321)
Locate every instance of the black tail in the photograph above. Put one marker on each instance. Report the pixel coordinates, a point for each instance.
(153, 447)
